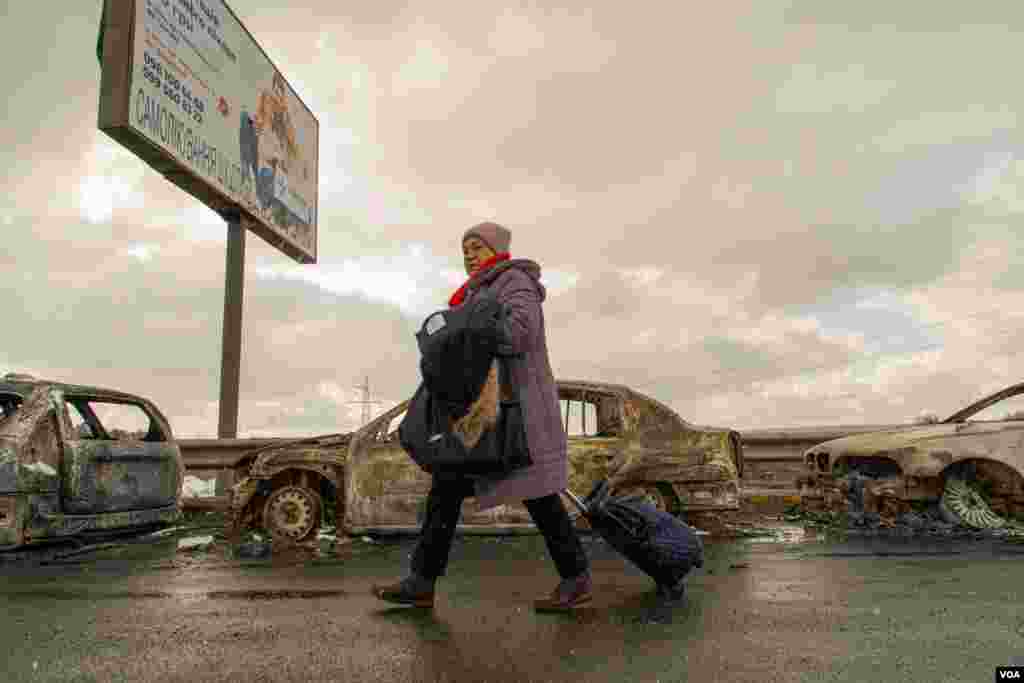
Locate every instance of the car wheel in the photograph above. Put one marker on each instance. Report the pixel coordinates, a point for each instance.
(292, 513)
(962, 504)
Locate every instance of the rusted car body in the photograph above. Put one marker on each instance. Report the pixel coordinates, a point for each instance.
(65, 470)
(916, 464)
(639, 443)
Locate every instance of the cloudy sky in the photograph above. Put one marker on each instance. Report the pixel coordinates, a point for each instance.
(764, 214)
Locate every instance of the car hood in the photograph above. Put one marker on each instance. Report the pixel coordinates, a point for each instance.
(884, 441)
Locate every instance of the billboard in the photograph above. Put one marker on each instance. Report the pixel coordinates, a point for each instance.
(188, 90)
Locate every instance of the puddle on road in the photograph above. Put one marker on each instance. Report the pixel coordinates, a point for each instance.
(767, 532)
(283, 594)
(184, 596)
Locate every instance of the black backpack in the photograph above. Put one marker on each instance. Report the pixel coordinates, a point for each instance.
(458, 347)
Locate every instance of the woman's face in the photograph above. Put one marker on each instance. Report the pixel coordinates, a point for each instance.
(474, 253)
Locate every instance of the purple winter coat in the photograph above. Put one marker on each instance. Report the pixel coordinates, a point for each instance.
(516, 284)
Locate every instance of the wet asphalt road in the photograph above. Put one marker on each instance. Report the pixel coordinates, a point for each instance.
(808, 611)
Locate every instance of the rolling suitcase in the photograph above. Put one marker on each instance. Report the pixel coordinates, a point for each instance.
(658, 543)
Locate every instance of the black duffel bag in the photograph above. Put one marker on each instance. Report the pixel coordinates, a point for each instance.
(426, 434)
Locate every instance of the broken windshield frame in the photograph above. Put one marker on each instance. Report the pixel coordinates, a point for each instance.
(978, 406)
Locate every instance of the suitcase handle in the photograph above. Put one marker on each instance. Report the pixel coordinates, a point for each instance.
(582, 508)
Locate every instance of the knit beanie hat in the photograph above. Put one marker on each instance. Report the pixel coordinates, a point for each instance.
(492, 234)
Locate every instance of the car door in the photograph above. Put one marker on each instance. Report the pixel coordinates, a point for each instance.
(117, 458)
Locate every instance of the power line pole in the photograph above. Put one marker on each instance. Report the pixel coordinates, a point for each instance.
(365, 401)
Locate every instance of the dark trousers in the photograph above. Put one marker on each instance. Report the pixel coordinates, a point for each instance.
(444, 505)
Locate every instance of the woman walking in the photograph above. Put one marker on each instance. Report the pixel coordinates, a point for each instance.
(516, 284)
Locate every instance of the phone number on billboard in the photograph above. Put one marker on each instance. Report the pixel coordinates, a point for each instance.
(172, 88)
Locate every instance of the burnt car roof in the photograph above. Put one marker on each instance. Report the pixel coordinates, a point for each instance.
(590, 387)
(23, 387)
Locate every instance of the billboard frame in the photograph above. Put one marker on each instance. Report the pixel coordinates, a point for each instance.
(117, 63)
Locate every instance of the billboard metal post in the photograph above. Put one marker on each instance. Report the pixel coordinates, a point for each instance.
(231, 333)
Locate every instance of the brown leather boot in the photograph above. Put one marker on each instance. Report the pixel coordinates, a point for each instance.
(567, 595)
(409, 591)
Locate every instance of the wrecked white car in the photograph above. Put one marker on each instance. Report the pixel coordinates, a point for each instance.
(971, 464)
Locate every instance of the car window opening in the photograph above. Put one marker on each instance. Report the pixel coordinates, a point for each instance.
(9, 404)
(580, 418)
(113, 421)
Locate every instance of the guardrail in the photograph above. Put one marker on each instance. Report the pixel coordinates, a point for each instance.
(216, 458)
(219, 454)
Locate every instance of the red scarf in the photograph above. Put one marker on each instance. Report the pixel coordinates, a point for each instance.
(460, 293)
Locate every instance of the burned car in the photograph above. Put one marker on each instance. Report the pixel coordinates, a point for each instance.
(971, 464)
(288, 488)
(640, 444)
(80, 461)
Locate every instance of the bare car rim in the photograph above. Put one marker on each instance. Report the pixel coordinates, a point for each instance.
(967, 505)
(292, 512)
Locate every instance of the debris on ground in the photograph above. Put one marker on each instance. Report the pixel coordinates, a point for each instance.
(253, 550)
(203, 519)
(822, 519)
(927, 520)
(166, 532)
